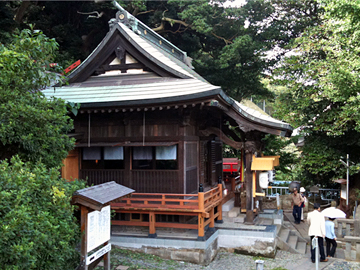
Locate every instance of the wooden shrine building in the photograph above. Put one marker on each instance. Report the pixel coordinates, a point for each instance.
(148, 121)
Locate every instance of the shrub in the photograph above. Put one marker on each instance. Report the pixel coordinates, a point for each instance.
(38, 229)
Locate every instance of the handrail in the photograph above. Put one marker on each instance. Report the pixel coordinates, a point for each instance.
(196, 202)
(201, 205)
(158, 201)
(211, 196)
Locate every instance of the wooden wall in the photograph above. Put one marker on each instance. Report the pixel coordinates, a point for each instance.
(70, 170)
(160, 126)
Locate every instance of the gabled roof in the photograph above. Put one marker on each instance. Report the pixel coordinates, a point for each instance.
(130, 68)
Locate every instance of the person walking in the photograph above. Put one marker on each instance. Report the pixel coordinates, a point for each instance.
(330, 237)
(302, 193)
(296, 202)
(316, 221)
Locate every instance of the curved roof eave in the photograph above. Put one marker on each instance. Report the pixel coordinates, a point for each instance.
(154, 101)
(285, 128)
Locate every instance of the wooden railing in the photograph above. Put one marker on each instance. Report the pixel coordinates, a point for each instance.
(202, 205)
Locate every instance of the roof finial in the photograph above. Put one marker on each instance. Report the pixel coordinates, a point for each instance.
(141, 29)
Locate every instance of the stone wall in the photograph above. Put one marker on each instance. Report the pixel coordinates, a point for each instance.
(285, 203)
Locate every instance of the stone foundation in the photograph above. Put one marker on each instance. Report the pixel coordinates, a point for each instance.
(257, 241)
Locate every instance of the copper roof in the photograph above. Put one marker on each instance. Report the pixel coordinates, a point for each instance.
(98, 196)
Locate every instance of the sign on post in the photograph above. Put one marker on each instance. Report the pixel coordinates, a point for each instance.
(95, 221)
(98, 230)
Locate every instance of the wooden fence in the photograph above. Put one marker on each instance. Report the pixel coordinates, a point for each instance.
(202, 205)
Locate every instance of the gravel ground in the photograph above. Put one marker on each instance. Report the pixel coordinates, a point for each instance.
(223, 261)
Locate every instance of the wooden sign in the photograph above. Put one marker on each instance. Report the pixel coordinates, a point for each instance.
(98, 229)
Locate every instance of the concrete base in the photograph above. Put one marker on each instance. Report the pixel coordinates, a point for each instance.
(199, 252)
(228, 205)
(276, 215)
(254, 240)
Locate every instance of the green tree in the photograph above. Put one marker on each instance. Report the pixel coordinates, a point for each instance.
(30, 125)
(38, 229)
(322, 81)
(229, 45)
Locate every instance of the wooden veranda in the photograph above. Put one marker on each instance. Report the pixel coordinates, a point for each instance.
(205, 205)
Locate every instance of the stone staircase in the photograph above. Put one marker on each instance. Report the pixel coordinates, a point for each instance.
(290, 240)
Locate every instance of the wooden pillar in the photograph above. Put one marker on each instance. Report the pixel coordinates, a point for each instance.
(83, 251)
(201, 205)
(232, 179)
(201, 232)
(107, 258)
(252, 146)
(128, 164)
(219, 207)
(181, 188)
(152, 228)
(248, 188)
(201, 201)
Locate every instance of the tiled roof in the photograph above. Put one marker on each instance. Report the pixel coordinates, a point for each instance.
(125, 89)
(136, 92)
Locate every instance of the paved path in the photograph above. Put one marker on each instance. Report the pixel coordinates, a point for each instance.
(231, 261)
(306, 263)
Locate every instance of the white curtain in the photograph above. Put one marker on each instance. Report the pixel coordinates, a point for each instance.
(142, 153)
(91, 153)
(114, 153)
(166, 152)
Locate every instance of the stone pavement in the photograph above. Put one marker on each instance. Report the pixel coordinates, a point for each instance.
(306, 263)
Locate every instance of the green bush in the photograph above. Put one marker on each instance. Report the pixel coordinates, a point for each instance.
(38, 229)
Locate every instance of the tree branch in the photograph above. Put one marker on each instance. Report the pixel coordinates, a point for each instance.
(21, 11)
(171, 21)
(144, 12)
(224, 39)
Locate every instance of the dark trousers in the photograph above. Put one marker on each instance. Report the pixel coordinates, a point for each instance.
(330, 246)
(297, 213)
(321, 248)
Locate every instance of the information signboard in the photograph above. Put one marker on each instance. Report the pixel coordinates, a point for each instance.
(98, 228)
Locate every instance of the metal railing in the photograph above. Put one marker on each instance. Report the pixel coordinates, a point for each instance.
(325, 194)
(272, 191)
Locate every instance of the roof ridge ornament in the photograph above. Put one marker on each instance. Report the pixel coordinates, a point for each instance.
(146, 32)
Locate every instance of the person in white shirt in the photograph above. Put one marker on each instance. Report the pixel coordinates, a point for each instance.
(330, 237)
(316, 221)
(302, 193)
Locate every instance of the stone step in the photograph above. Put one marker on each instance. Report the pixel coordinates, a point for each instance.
(226, 207)
(292, 241)
(301, 247)
(234, 212)
(284, 234)
(240, 218)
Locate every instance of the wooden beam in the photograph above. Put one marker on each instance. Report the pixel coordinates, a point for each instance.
(222, 136)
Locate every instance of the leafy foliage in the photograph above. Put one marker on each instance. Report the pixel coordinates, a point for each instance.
(30, 125)
(229, 45)
(38, 229)
(322, 80)
(285, 148)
